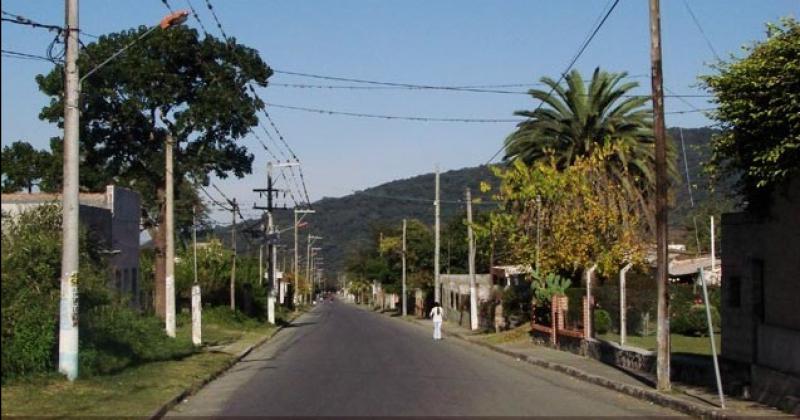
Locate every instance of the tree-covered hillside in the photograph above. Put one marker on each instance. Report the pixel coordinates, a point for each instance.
(346, 222)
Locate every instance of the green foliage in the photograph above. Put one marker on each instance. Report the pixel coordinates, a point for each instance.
(695, 321)
(579, 119)
(758, 111)
(517, 304)
(602, 321)
(31, 266)
(585, 216)
(169, 83)
(549, 285)
(114, 337)
(213, 272)
(22, 167)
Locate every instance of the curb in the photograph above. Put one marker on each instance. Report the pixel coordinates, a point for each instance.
(652, 396)
(161, 411)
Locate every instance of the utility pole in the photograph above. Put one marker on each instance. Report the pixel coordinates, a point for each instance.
(437, 211)
(234, 209)
(663, 338)
(473, 293)
(169, 226)
(296, 260)
(405, 306)
(197, 307)
(261, 264)
(68, 324)
(538, 227)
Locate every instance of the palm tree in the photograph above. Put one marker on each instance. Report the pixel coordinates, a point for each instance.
(575, 120)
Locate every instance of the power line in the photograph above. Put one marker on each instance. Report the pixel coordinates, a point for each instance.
(22, 20)
(700, 28)
(395, 117)
(569, 66)
(473, 90)
(266, 114)
(26, 56)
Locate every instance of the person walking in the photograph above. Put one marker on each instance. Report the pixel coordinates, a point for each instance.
(436, 315)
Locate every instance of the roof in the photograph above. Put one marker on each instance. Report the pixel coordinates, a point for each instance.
(690, 266)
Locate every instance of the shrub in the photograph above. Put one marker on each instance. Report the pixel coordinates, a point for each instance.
(31, 266)
(693, 321)
(114, 337)
(602, 321)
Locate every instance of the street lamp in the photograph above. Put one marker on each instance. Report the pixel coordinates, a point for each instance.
(70, 196)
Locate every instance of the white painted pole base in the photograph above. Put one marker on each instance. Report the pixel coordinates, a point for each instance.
(170, 306)
(473, 308)
(271, 309)
(197, 316)
(68, 327)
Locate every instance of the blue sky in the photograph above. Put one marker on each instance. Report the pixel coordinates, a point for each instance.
(466, 42)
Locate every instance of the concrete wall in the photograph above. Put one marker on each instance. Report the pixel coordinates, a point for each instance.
(761, 290)
(111, 218)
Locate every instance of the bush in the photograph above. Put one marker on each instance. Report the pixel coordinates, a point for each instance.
(693, 321)
(114, 337)
(602, 321)
(31, 266)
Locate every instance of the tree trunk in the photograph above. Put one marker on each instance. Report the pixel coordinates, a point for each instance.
(160, 251)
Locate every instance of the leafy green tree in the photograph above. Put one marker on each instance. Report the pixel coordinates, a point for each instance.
(578, 119)
(758, 111)
(22, 167)
(169, 83)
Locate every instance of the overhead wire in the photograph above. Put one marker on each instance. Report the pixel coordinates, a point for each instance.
(199, 21)
(700, 28)
(265, 112)
(572, 62)
(396, 117)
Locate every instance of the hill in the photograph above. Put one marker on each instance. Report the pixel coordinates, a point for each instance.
(346, 222)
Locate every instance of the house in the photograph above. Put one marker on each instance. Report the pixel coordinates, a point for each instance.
(688, 270)
(455, 296)
(111, 217)
(507, 275)
(761, 296)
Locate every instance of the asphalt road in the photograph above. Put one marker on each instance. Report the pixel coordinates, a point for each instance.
(340, 360)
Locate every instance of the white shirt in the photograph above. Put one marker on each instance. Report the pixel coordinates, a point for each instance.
(436, 314)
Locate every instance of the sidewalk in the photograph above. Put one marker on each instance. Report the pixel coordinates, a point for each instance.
(686, 399)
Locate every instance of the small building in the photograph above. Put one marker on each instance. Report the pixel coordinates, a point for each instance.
(455, 296)
(111, 217)
(761, 296)
(508, 275)
(688, 270)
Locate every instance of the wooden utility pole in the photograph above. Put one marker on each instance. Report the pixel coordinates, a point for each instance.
(169, 226)
(662, 281)
(473, 292)
(437, 213)
(405, 306)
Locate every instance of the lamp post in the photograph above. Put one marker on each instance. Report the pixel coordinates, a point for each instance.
(70, 196)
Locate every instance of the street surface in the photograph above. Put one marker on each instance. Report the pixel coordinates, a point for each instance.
(341, 360)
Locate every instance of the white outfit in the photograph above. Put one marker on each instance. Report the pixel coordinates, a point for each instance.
(436, 315)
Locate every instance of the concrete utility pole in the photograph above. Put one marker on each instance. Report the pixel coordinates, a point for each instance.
(261, 264)
(662, 280)
(197, 307)
(405, 306)
(713, 251)
(169, 225)
(234, 209)
(68, 322)
(538, 228)
(296, 260)
(473, 293)
(437, 211)
(623, 312)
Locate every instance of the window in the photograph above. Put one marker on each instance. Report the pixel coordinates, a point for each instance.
(125, 280)
(118, 282)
